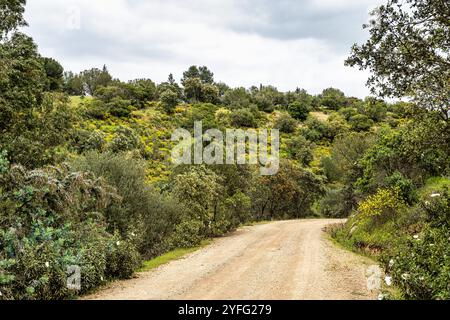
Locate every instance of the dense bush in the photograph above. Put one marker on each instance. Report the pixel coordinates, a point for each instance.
(332, 205)
(361, 122)
(300, 149)
(144, 216)
(85, 140)
(299, 110)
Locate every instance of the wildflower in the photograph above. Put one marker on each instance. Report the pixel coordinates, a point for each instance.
(391, 263)
(47, 264)
(101, 278)
(388, 280)
(118, 243)
(416, 237)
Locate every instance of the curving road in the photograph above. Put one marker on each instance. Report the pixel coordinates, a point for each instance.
(276, 261)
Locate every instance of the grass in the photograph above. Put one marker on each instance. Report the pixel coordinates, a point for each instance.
(171, 256)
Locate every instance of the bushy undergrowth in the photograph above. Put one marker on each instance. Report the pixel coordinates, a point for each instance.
(420, 265)
(50, 219)
(411, 241)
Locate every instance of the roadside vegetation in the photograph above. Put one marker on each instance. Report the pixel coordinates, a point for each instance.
(86, 177)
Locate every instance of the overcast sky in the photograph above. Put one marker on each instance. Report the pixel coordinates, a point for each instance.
(286, 43)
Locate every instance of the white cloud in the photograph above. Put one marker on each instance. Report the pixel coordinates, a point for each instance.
(138, 38)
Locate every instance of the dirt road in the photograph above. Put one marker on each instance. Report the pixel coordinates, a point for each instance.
(280, 260)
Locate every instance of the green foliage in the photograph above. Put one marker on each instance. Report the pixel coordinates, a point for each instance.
(169, 100)
(198, 189)
(406, 187)
(417, 31)
(187, 234)
(125, 139)
(360, 123)
(11, 16)
(144, 216)
(300, 149)
(205, 112)
(332, 205)
(50, 219)
(141, 91)
(94, 78)
(333, 99)
(243, 118)
(54, 72)
(420, 266)
(285, 123)
(288, 194)
(85, 140)
(237, 98)
(299, 110)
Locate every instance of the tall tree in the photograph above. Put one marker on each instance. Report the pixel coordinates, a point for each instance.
(408, 52)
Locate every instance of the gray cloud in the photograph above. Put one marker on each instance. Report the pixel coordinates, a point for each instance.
(286, 43)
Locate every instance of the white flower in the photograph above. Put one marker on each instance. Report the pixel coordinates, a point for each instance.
(133, 234)
(101, 278)
(118, 243)
(416, 237)
(388, 280)
(391, 263)
(435, 195)
(47, 264)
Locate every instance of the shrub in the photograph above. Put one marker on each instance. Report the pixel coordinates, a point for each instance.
(406, 187)
(300, 149)
(50, 219)
(421, 266)
(125, 139)
(85, 140)
(382, 206)
(243, 118)
(299, 110)
(333, 205)
(187, 234)
(120, 108)
(285, 123)
(144, 216)
(169, 100)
